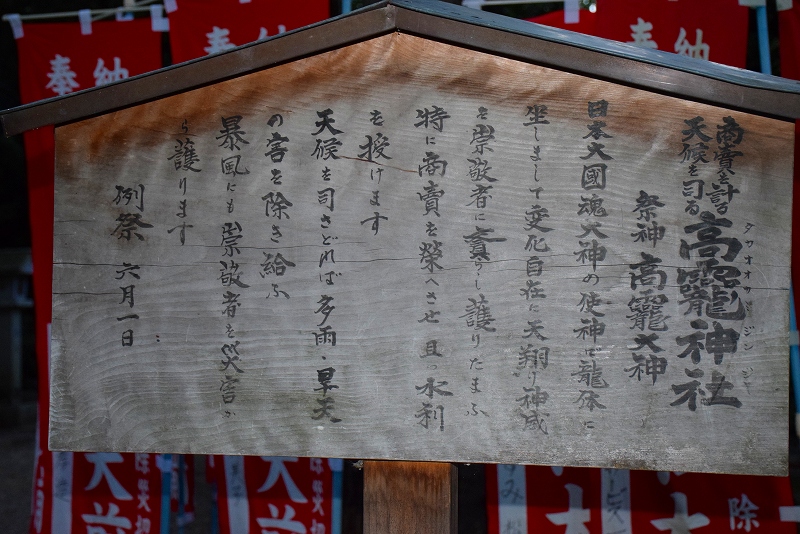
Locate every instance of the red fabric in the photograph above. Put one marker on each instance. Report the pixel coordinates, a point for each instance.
(299, 502)
(586, 24)
(193, 25)
(789, 28)
(724, 25)
(547, 493)
(717, 497)
(134, 43)
(138, 50)
(550, 493)
(112, 491)
(712, 502)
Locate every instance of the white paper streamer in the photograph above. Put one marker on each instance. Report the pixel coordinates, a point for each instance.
(16, 25)
(158, 22)
(572, 11)
(615, 501)
(512, 505)
(85, 16)
(789, 514)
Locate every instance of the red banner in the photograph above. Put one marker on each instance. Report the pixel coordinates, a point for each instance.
(112, 492)
(56, 59)
(201, 27)
(721, 503)
(548, 500)
(716, 32)
(556, 500)
(789, 28)
(279, 495)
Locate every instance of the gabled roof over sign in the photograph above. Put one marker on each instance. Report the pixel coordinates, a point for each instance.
(242, 154)
(651, 70)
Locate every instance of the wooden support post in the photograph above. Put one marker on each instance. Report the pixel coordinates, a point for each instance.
(410, 498)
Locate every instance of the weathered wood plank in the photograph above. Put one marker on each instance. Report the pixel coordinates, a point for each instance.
(594, 306)
(410, 498)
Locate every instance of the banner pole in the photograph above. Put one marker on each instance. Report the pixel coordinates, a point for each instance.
(166, 482)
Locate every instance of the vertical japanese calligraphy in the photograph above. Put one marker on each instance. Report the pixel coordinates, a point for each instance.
(534, 354)
(231, 138)
(325, 150)
(430, 414)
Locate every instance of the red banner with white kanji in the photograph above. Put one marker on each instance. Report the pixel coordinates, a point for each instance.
(522, 500)
(559, 500)
(112, 492)
(99, 493)
(202, 27)
(283, 495)
(715, 30)
(57, 59)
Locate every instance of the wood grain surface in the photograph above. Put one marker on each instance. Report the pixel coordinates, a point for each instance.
(519, 265)
(410, 498)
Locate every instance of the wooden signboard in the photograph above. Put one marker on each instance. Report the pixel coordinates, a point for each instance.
(418, 233)
(401, 249)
